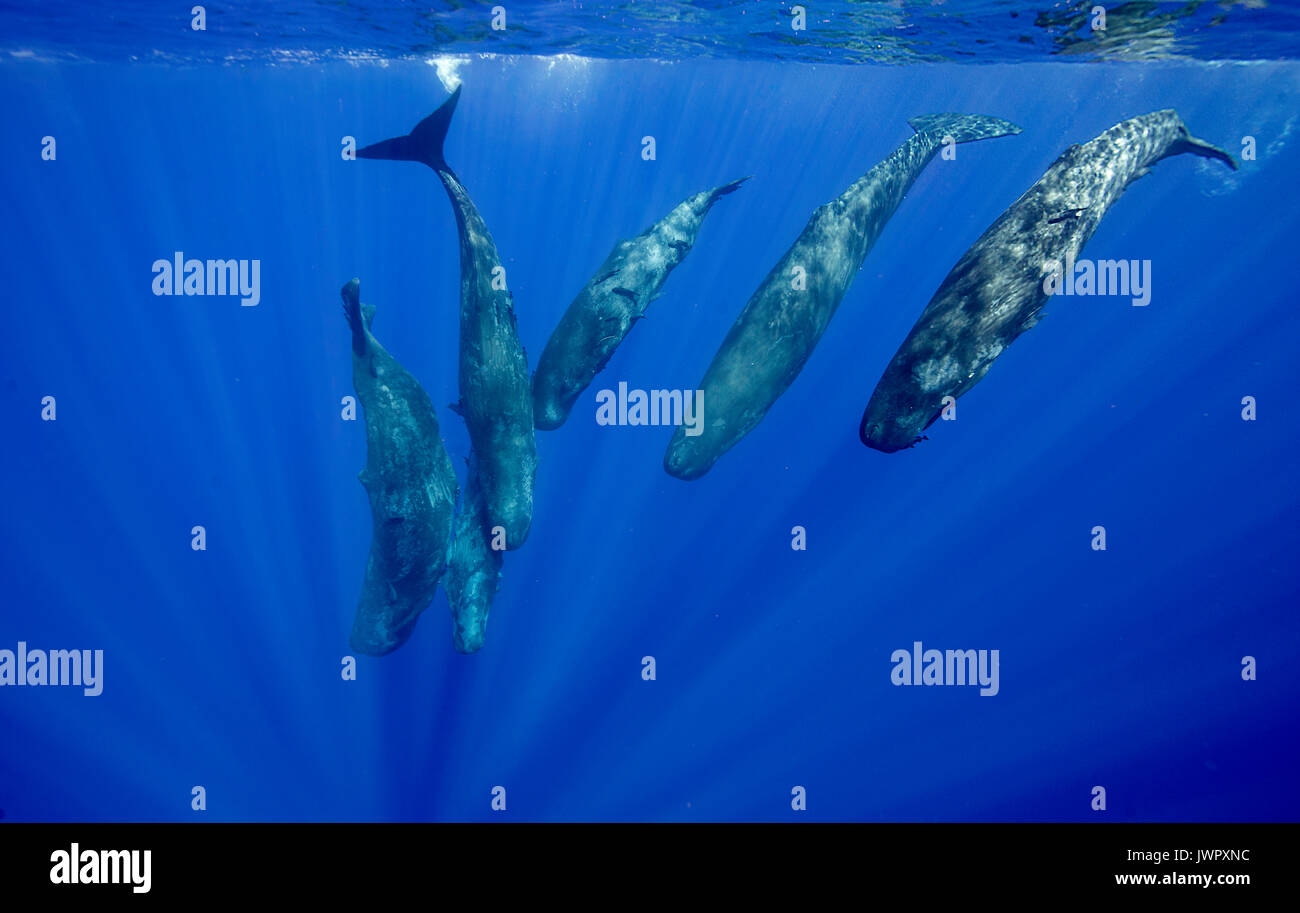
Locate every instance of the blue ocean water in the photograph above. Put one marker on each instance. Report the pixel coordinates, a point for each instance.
(1119, 668)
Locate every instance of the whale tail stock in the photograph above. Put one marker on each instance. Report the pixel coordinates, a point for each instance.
(963, 128)
(422, 144)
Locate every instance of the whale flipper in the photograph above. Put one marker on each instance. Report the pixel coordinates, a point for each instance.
(424, 142)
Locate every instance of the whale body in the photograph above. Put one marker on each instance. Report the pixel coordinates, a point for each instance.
(998, 288)
(495, 393)
(617, 296)
(473, 569)
(411, 484)
(785, 318)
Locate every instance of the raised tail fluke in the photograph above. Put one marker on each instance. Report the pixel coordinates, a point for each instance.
(422, 144)
(963, 128)
(351, 293)
(1206, 150)
(727, 188)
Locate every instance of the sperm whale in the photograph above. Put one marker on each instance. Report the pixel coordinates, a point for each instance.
(785, 318)
(617, 296)
(998, 288)
(412, 488)
(495, 392)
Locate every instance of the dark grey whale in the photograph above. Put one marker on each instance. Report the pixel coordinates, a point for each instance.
(782, 323)
(412, 488)
(617, 296)
(473, 569)
(495, 393)
(997, 289)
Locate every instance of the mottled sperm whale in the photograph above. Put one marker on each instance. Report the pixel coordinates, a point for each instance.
(998, 288)
(617, 296)
(412, 488)
(495, 394)
(783, 321)
(473, 569)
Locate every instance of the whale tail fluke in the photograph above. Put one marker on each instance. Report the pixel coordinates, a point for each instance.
(422, 144)
(1200, 147)
(352, 310)
(963, 128)
(726, 189)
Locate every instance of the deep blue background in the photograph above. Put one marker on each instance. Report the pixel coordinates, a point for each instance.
(1119, 669)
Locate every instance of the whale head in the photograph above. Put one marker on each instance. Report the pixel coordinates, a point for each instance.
(890, 426)
(685, 459)
(552, 402)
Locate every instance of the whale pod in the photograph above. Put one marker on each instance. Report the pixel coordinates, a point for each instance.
(412, 488)
(998, 288)
(617, 296)
(783, 321)
(495, 393)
